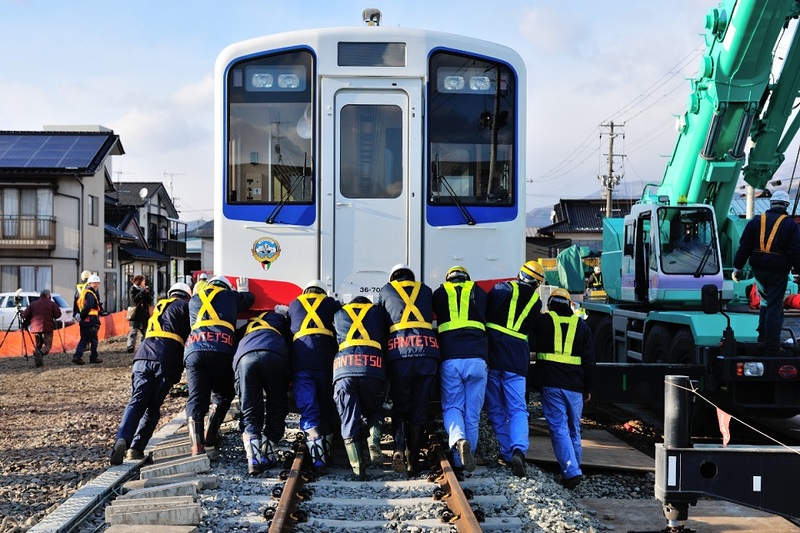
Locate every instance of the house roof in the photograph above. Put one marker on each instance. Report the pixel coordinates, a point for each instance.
(114, 231)
(147, 254)
(585, 216)
(56, 152)
(129, 193)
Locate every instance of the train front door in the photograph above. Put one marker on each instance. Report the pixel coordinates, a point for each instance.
(376, 136)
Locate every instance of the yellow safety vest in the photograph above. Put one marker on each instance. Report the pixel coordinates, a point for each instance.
(562, 346)
(312, 323)
(410, 308)
(512, 325)
(207, 315)
(258, 323)
(767, 246)
(357, 312)
(94, 311)
(154, 327)
(459, 307)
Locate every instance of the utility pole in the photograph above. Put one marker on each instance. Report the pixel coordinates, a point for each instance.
(610, 180)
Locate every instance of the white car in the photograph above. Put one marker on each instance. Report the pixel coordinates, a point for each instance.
(8, 309)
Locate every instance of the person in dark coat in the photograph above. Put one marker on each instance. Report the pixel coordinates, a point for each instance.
(313, 349)
(460, 307)
(140, 297)
(89, 307)
(412, 357)
(359, 378)
(157, 366)
(564, 373)
(41, 318)
(261, 365)
(771, 243)
(511, 309)
(209, 357)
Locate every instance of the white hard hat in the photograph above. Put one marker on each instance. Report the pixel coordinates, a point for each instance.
(779, 197)
(94, 278)
(203, 275)
(221, 281)
(85, 274)
(316, 285)
(180, 287)
(597, 270)
(398, 269)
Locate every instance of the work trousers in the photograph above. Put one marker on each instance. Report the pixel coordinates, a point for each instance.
(358, 397)
(313, 395)
(260, 374)
(209, 377)
(88, 337)
(151, 381)
(563, 409)
(772, 289)
(507, 411)
(463, 393)
(412, 380)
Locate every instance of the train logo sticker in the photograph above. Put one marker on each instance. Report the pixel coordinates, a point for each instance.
(266, 250)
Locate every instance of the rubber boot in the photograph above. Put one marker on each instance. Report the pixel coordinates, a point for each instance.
(375, 455)
(414, 439)
(399, 447)
(215, 420)
(196, 435)
(269, 453)
(353, 448)
(316, 447)
(252, 447)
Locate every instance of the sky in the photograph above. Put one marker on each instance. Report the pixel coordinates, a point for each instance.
(145, 69)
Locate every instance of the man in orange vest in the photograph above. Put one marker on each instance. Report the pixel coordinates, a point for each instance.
(771, 243)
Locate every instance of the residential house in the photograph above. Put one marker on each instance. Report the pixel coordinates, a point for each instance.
(200, 249)
(52, 187)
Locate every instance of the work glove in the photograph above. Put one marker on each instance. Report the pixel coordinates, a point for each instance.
(736, 275)
(282, 309)
(242, 284)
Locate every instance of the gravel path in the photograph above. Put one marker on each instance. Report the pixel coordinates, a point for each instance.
(57, 425)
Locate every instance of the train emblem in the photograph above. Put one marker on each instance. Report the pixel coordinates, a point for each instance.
(266, 250)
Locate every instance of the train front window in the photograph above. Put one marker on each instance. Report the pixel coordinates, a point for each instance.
(472, 132)
(270, 133)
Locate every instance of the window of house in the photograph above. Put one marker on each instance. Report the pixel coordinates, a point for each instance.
(27, 212)
(109, 255)
(27, 278)
(93, 211)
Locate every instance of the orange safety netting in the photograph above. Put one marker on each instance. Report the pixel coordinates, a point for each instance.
(111, 325)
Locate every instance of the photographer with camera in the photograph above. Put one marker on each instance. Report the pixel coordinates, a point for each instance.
(139, 300)
(40, 317)
(89, 308)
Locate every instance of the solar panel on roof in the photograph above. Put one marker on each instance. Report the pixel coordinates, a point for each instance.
(49, 151)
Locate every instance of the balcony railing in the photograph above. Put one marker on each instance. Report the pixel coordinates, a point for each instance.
(30, 232)
(171, 247)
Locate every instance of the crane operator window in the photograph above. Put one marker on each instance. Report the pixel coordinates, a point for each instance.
(688, 242)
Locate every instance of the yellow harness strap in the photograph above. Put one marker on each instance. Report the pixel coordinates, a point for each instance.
(459, 307)
(258, 323)
(411, 306)
(154, 328)
(512, 325)
(562, 346)
(312, 323)
(768, 246)
(207, 316)
(357, 312)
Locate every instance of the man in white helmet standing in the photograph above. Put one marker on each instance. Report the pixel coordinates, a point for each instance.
(209, 356)
(771, 242)
(157, 366)
(89, 307)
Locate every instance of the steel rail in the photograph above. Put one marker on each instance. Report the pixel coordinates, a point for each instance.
(463, 516)
(283, 521)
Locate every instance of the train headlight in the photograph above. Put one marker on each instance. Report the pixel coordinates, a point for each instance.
(261, 80)
(750, 370)
(453, 83)
(480, 83)
(288, 81)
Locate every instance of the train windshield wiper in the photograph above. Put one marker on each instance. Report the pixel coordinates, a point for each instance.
(452, 193)
(295, 182)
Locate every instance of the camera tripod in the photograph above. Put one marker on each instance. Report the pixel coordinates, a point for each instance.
(17, 319)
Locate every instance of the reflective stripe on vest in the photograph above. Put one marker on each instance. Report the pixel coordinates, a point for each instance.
(459, 307)
(258, 323)
(94, 311)
(766, 247)
(410, 308)
(154, 327)
(357, 312)
(564, 354)
(512, 326)
(306, 327)
(207, 310)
